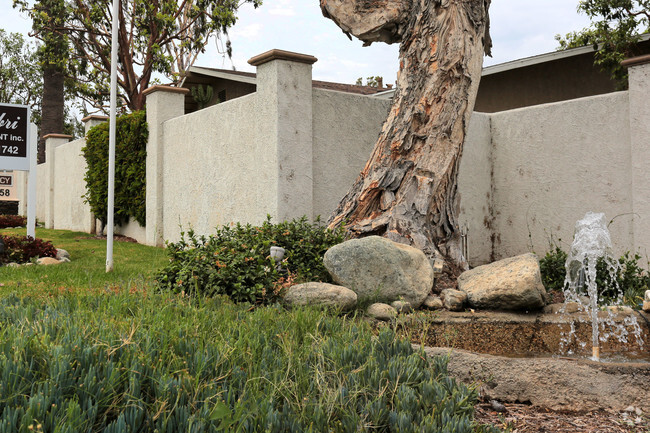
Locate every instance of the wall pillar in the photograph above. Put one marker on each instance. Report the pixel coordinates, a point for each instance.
(162, 103)
(52, 141)
(284, 79)
(639, 95)
(92, 121)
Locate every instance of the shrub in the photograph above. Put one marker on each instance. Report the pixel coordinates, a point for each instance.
(236, 262)
(630, 278)
(130, 168)
(218, 369)
(12, 221)
(21, 249)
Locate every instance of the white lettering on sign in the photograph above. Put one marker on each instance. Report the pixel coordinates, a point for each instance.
(6, 180)
(7, 123)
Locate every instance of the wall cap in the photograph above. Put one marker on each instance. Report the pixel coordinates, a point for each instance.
(169, 89)
(94, 117)
(636, 61)
(48, 136)
(275, 54)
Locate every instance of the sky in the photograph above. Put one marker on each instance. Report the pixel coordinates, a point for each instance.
(519, 28)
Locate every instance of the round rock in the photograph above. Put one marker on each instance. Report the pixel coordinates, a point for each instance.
(321, 295)
(381, 311)
(381, 270)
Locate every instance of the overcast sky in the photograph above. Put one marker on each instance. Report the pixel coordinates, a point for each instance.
(520, 28)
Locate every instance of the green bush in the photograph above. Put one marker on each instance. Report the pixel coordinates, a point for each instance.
(630, 278)
(21, 249)
(236, 261)
(12, 221)
(130, 169)
(154, 363)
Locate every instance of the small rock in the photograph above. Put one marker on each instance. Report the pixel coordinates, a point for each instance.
(12, 265)
(453, 300)
(65, 260)
(498, 407)
(630, 409)
(402, 307)
(620, 309)
(647, 295)
(381, 311)
(646, 306)
(47, 261)
(62, 254)
(322, 295)
(567, 307)
(433, 302)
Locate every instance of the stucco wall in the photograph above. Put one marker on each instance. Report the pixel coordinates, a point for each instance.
(475, 189)
(42, 192)
(555, 162)
(217, 168)
(70, 211)
(346, 128)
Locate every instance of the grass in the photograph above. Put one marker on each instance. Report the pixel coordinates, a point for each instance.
(82, 350)
(134, 264)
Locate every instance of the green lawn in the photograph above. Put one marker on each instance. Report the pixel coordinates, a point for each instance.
(134, 264)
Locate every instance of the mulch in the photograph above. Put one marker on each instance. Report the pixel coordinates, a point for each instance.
(522, 418)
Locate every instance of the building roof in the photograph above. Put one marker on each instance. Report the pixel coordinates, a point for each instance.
(251, 78)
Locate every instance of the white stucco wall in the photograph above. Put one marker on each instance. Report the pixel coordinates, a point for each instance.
(218, 167)
(555, 162)
(70, 212)
(346, 128)
(475, 189)
(42, 191)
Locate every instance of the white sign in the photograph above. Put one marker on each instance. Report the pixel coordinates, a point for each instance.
(7, 190)
(14, 137)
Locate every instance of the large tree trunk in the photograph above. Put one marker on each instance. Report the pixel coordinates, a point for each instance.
(407, 191)
(53, 106)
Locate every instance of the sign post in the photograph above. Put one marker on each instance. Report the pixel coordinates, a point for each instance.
(18, 152)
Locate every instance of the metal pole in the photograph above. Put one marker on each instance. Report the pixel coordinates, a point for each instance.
(111, 140)
(32, 137)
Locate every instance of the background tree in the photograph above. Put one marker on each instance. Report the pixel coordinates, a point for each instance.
(376, 81)
(407, 191)
(48, 21)
(615, 30)
(161, 36)
(21, 81)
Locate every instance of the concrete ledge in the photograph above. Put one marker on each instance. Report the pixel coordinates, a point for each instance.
(169, 89)
(63, 136)
(94, 117)
(268, 56)
(635, 61)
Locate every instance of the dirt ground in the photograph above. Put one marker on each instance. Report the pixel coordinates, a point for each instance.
(521, 418)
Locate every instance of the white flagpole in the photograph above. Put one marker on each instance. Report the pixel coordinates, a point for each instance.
(111, 140)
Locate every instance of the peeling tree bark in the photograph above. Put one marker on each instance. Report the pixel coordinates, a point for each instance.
(407, 191)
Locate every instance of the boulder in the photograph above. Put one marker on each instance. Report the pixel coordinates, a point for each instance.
(321, 295)
(62, 254)
(510, 284)
(47, 261)
(381, 311)
(453, 300)
(433, 302)
(381, 270)
(646, 302)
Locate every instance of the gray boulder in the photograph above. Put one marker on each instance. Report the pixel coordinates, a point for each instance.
(381, 270)
(510, 284)
(453, 300)
(381, 311)
(401, 307)
(321, 295)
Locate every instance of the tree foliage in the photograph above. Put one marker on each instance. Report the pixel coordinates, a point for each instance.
(163, 36)
(615, 29)
(20, 76)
